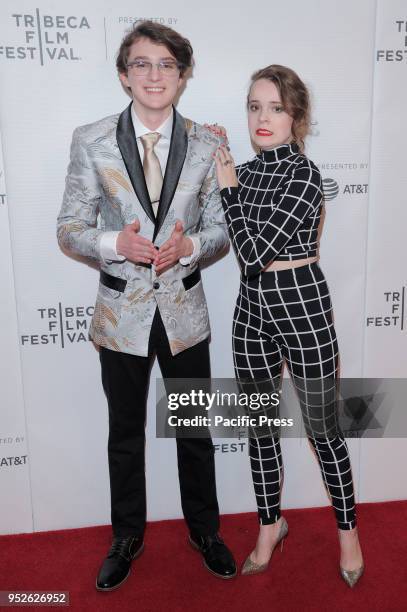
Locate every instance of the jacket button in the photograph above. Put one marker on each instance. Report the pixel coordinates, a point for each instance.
(156, 285)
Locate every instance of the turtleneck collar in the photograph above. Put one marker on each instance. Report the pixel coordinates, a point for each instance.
(278, 153)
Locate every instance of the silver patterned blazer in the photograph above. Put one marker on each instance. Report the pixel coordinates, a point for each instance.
(106, 190)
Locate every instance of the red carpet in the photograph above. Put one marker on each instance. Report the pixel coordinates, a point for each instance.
(170, 576)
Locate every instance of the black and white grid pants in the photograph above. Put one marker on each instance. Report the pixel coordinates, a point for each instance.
(287, 315)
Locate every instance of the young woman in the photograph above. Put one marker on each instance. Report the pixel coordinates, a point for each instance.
(272, 205)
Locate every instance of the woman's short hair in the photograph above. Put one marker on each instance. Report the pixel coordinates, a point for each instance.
(294, 97)
(160, 34)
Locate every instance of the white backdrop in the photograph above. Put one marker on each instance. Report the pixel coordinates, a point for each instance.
(385, 352)
(57, 72)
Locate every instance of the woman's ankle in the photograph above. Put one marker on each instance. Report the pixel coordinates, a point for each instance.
(268, 525)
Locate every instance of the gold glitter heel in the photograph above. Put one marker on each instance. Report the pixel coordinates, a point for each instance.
(352, 576)
(250, 567)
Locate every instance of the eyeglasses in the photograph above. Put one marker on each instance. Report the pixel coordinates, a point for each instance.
(166, 68)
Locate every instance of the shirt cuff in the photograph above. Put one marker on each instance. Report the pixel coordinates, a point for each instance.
(107, 247)
(186, 261)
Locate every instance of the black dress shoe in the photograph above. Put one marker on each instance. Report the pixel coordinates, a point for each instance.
(116, 567)
(217, 557)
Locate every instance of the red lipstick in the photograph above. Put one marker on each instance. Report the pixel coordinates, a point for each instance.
(263, 132)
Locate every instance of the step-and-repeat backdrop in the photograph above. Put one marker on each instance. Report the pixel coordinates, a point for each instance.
(57, 62)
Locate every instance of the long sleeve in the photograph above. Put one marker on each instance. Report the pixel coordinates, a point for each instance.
(212, 235)
(301, 197)
(76, 226)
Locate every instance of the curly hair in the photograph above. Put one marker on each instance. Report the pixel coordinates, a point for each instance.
(294, 97)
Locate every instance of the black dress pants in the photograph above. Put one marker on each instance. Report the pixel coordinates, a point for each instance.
(125, 381)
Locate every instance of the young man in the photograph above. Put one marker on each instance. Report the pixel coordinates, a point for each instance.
(150, 176)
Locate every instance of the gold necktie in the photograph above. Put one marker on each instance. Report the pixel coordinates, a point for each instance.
(152, 168)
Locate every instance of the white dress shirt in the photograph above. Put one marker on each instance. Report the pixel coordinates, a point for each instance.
(108, 240)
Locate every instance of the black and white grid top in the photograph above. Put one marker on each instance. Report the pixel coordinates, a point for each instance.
(274, 213)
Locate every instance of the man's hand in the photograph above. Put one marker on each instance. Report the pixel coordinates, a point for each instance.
(133, 247)
(173, 249)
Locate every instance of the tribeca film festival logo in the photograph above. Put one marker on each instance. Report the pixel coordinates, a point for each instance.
(399, 54)
(44, 37)
(394, 314)
(232, 447)
(62, 326)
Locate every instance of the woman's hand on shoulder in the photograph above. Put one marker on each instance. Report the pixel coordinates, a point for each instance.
(218, 130)
(225, 168)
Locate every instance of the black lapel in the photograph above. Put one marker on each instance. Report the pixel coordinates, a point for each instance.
(175, 162)
(127, 143)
